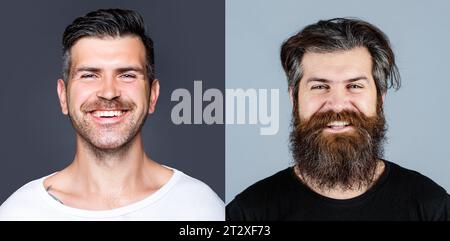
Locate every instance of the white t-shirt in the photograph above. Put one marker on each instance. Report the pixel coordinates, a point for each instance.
(181, 198)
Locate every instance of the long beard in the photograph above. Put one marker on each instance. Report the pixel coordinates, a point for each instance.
(345, 160)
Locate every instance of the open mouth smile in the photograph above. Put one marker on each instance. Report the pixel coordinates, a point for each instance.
(108, 116)
(338, 126)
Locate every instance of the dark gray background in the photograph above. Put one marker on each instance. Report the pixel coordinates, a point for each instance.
(37, 139)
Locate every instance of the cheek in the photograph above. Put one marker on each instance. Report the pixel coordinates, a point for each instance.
(77, 95)
(367, 104)
(308, 105)
(138, 94)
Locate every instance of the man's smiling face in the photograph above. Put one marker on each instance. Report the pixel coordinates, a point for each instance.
(335, 82)
(108, 94)
(338, 122)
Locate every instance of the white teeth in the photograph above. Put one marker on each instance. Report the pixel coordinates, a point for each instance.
(109, 113)
(338, 124)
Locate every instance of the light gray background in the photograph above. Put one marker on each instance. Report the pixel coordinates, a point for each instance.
(418, 114)
(37, 139)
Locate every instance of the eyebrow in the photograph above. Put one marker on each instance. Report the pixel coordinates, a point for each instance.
(131, 68)
(120, 70)
(87, 69)
(315, 79)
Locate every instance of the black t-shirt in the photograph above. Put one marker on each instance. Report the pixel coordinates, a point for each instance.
(399, 194)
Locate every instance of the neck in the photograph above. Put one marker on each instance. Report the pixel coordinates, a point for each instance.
(339, 192)
(106, 180)
(109, 172)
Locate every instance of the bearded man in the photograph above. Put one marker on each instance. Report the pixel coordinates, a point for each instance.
(338, 72)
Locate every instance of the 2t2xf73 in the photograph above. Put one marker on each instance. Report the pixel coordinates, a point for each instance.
(251, 230)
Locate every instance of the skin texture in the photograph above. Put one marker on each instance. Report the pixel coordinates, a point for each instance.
(338, 81)
(110, 168)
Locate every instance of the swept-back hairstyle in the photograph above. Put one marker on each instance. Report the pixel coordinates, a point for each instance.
(107, 23)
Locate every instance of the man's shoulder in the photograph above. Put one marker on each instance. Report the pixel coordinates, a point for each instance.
(416, 181)
(189, 184)
(415, 185)
(22, 200)
(252, 203)
(190, 193)
(25, 192)
(189, 187)
(274, 185)
(429, 198)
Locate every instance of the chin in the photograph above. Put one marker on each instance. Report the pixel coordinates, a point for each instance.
(109, 144)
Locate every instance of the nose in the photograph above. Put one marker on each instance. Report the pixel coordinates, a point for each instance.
(109, 89)
(338, 100)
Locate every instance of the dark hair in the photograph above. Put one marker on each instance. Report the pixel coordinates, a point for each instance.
(340, 34)
(107, 23)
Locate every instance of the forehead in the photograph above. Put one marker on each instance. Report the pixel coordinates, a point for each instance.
(339, 65)
(108, 51)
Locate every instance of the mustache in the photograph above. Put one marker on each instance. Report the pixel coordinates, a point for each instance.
(103, 104)
(320, 120)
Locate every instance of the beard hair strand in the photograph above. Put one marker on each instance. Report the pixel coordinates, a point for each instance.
(338, 160)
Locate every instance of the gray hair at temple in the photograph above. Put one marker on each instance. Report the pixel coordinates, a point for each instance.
(340, 34)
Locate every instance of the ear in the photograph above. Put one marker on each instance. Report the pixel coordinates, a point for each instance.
(62, 94)
(382, 98)
(154, 94)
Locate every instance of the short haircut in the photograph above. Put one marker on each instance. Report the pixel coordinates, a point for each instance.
(104, 23)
